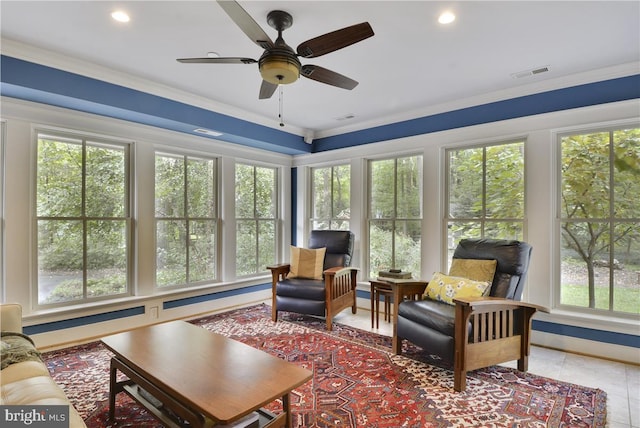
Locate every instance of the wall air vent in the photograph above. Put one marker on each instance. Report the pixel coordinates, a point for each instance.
(532, 72)
(208, 132)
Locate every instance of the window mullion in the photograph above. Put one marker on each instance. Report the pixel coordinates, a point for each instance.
(483, 215)
(612, 216)
(187, 226)
(83, 214)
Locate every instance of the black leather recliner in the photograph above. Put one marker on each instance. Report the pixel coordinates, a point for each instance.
(326, 297)
(437, 327)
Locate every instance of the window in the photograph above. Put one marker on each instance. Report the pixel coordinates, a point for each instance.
(2, 220)
(256, 215)
(485, 193)
(82, 216)
(186, 219)
(600, 220)
(395, 214)
(331, 197)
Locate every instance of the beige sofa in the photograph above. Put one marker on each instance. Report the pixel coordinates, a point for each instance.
(27, 381)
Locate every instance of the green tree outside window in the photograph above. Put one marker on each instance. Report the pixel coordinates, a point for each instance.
(395, 214)
(186, 205)
(82, 217)
(600, 220)
(331, 197)
(256, 215)
(485, 193)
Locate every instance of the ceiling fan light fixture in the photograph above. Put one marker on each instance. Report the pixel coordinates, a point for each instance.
(279, 69)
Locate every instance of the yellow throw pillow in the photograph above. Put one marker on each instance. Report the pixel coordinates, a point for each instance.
(445, 288)
(306, 263)
(475, 269)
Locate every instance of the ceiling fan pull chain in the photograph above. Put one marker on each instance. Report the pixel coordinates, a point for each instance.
(280, 105)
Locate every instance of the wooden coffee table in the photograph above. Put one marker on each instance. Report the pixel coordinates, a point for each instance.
(181, 372)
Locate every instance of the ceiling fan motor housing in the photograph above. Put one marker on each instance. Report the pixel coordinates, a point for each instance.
(279, 66)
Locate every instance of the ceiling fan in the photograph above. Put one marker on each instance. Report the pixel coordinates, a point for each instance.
(279, 64)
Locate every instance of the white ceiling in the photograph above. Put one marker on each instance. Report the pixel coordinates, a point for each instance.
(411, 66)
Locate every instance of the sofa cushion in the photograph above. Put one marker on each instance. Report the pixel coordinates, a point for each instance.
(306, 263)
(445, 288)
(21, 371)
(29, 383)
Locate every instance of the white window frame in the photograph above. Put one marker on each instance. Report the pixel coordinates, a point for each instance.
(277, 238)
(128, 147)
(3, 130)
(332, 218)
(557, 136)
(367, 214)
(448, 247)
(186, 155)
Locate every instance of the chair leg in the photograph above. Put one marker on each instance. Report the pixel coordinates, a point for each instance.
(274, 313)
(377, 310)
(459, 380)
(387, 308)
(329, 322)
(397, 344)
(523, 363)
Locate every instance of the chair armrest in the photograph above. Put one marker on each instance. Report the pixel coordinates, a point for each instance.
(487, 304)
(279, 271)
(278, 267)
(339, 271)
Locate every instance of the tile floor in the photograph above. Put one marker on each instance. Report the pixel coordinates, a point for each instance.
(620, 381)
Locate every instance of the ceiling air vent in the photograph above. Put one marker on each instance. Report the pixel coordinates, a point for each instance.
(346, 117)
(532, 72)
(208, 132)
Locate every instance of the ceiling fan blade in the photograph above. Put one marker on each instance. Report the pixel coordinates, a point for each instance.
(335, 40)
(266, 90)
(223, 60)
(329, 77)
(246, 23)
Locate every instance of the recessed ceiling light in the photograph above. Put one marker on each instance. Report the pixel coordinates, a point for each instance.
(446, 18)
(120, 16)
(213, 54)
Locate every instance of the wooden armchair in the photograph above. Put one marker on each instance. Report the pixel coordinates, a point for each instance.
(475, 332)
(325, 297)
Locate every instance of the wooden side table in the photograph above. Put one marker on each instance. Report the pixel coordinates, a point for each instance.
(380, 289)
(410, 289)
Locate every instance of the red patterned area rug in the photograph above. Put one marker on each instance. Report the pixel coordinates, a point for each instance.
(357, 382)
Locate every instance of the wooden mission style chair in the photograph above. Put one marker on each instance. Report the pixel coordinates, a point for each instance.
(319, 280)
(472, 317)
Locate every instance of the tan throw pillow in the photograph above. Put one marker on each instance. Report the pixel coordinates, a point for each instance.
(475, 269)
(445, 288)
(306, 263)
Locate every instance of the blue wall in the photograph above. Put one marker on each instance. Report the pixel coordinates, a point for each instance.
(33, 82)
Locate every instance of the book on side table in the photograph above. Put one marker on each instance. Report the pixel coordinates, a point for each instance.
(394, 274)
